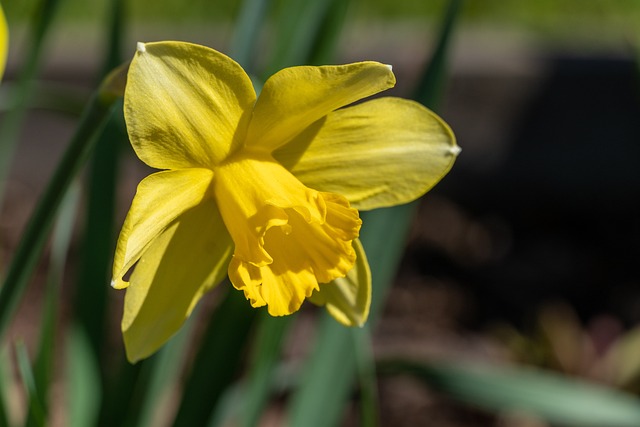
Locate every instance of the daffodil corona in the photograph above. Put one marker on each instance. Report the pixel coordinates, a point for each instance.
(263, 189)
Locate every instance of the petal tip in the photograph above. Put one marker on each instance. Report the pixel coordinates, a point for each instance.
(455, 150)
(140, 47)
(119, 284)
(389, 66)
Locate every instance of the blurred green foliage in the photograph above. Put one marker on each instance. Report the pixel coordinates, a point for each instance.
(539, 14)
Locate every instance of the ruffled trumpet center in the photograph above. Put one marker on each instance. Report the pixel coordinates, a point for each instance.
(288, 238)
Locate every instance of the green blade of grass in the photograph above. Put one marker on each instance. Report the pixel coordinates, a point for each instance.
(36, 408)
(218, 360)
(12, 121)
(83, 390)
(243, 403)
(35, 235)
(263, 364)
(366, 373)
(165, 375)
(326, 38)
(98, 242)
(554, 398)
(247, 31)
(432, 84)
(298, 28)
(5, 375)
(121, 397)
(61, 240)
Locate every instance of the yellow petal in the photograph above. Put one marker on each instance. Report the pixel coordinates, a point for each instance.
(295, 97)
(185, 105)
(383, 152)
(288, 238)
(189, 258)
(348, 298)
(159, 200)
(4, 41)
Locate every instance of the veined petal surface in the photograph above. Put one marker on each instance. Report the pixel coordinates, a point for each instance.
(348, 298)
(185, 105)
(4, 41)
(383, 152)
(295, 97)
(188, 259)
(160, 199)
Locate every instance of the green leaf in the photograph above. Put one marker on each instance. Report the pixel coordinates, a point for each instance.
(37, 230)
(242, 404)
(327, 378)
(363, 350)
(91, 303)
(43, 363)
(12, 121)
(36, 408)
(164, 375)
(432, 83)
(554, 398)
(246, 32)
(218, 360)
(264, 360)
(83, 381)
(299, 27)
(6, 373)
(326, 40)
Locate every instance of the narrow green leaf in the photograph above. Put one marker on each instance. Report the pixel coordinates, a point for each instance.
(61, 240)
(242, 404)
(264, 360)
(83, 381)
(99, 233)
(298, 27)
(367, 381)
(5, 380)
(218, 360)
(554, 398)
(36, 407)
(246, 32)
(12, 121)
(433, 82)
(35, 235)
(327, 377)
(327, 38)
(121, 397)
(165, 375)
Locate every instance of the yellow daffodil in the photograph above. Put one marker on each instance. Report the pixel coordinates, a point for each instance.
(264, 189)
(4, 41)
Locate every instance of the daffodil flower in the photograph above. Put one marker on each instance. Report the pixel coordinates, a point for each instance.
(263, 189)
(4, 41)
